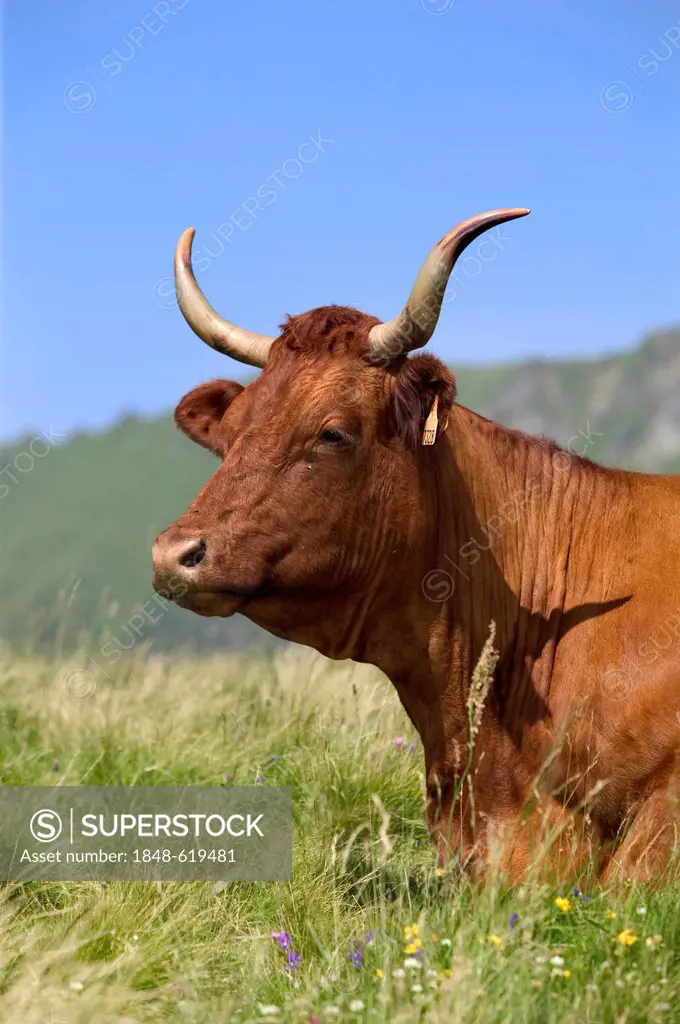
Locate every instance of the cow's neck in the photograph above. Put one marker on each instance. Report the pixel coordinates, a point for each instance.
(499, 510)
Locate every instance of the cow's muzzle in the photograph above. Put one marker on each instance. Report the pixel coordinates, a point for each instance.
(177, 560)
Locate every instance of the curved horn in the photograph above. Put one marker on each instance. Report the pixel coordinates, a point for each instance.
(415, 325)
(217, 332)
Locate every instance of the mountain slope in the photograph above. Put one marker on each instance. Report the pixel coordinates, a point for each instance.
(76, 529)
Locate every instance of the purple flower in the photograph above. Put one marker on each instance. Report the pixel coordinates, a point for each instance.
(368, 938)
(259, 778)
(412, 746)
(228, 777)
(399, 742)
(283, 939)
(272, 758)
(293, 960)
(356, 954)
(577, 892)
(514, 918)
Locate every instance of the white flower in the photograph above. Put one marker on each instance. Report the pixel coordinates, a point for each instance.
(332, 1010)
(557, 961)
(356, 1006)
(398, 972)
(411, 961)
(416, 988)
(76, 986)
(267, 1011)
(642, 911)
(663, 1007)
(431, 973)
(445, 942)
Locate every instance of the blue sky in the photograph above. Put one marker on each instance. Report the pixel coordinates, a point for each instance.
(127, 122)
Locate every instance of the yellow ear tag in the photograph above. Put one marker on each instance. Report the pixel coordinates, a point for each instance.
(431, 423)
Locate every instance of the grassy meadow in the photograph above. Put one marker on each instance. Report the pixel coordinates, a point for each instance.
(379, 933)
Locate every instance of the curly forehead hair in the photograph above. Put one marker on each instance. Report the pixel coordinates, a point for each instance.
(327, 329)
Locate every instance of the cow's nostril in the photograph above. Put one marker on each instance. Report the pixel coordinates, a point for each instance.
(194, 555)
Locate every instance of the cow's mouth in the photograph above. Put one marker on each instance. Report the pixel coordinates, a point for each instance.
(218, 601)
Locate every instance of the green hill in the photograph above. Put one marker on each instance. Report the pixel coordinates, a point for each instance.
(77, 527)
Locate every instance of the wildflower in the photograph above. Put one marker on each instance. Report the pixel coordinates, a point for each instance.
(448, 973)
(411, 962)
(566, 974)
(412, 746)
(267, 1011)
(557, 961)
(356, 1006)
(368, 938)
(229, 777)
(379, 973)
(579, 895)
(612, 915)
(76, 986)
(411, 931)
(439, 872)
(416, 988)
(627, 938)
(332, 1010)
(563, 904)
(413, 947)
(259, 778)
(642, 911)
(495, 940)
(536, 983)
(445, 942)
(314, 1019)
(283, 939)
(514, 918)
(356, 954)
(652, 941)
(399, 742)
(435, 938)
(398, 972)
(293, 960)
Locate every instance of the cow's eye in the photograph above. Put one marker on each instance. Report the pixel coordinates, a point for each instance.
(335, 437)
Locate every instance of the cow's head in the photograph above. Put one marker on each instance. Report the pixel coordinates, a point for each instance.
(317, 504)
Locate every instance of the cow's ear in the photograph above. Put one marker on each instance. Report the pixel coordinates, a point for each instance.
(200, 412)
(416, 385)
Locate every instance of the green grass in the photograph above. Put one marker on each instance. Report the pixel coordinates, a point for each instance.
(196, 952)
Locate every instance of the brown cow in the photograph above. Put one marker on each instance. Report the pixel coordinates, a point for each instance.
(329, 522)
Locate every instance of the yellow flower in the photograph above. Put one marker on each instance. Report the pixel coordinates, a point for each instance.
(435, 938)
(379, 973)
(612, 915)
(412, 948)
(566, 974)
(439, 872)
(563, 904)
(410, 932)
(626, 937)
(448, 973)
(496, 940)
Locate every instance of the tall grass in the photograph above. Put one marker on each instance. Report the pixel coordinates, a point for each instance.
(381, 934)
